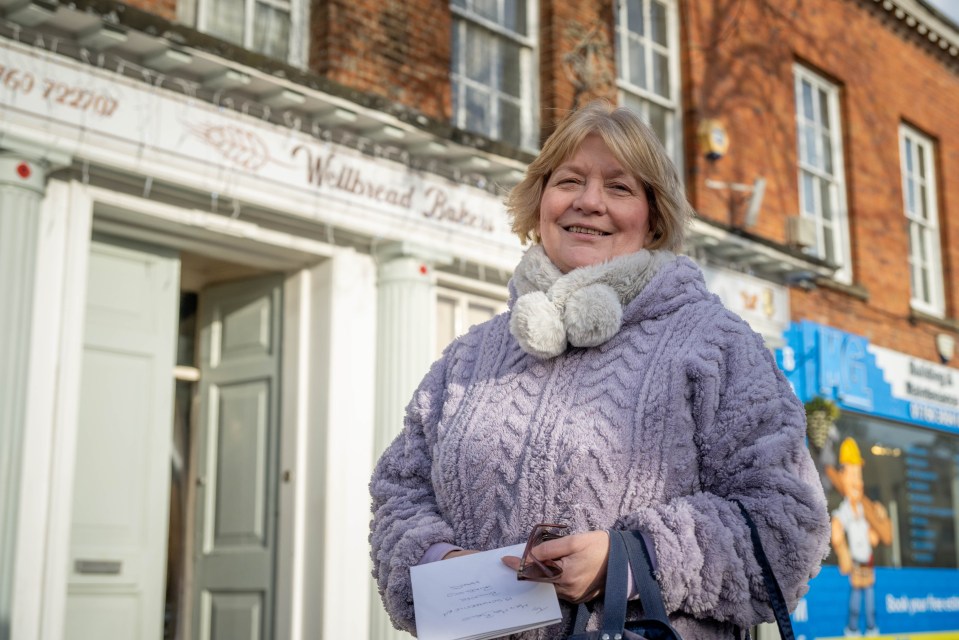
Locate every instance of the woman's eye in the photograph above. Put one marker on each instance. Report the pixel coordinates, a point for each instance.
(621, 187)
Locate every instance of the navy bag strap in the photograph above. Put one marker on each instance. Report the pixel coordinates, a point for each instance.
(775, 593)
(614, 611)
(649, 593)
(627, 549)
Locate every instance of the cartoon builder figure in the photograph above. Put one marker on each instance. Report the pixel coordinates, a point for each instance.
(858, 525)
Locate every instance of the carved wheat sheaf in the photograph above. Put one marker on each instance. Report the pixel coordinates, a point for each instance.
(241, 147)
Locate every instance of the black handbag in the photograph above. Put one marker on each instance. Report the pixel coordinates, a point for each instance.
(627, 549)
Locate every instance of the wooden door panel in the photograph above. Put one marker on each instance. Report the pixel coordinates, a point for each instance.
(236, 499)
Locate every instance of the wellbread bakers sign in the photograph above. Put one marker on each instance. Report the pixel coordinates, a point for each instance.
(99, 115)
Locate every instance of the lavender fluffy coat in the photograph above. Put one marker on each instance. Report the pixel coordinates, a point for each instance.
(656, 429)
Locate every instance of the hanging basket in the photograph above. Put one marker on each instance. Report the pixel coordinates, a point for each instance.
(821, 414)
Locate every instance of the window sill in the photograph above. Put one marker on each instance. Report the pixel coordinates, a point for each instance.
(948, 324)
(854, 290)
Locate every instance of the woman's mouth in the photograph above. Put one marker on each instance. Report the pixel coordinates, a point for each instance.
(586, 230)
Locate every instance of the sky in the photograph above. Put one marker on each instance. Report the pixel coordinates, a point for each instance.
(948, 7)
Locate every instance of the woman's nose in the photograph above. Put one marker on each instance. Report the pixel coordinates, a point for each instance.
(590, 198)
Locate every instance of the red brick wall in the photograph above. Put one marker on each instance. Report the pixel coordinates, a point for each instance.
(739, 69)
(574, 28)
(396, 49)
(166, 9)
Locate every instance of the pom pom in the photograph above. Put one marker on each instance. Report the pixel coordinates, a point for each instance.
(537, 326)
(593, 315)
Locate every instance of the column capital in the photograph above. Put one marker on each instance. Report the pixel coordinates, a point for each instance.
(387, 251)
(28, 170)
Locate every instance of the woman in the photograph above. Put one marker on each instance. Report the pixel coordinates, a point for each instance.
(616, 392)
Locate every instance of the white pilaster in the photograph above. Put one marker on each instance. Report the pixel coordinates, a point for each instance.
(323, 580)
(53, 390)
(22, 185)
(405, 319)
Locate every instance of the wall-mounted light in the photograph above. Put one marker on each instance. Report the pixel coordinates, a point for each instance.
(713, 138)
(946, 346)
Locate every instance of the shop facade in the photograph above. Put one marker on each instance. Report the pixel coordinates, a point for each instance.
(228, 317)
(225, 318)
(901, 414)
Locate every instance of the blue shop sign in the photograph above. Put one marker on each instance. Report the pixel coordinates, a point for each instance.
(823, 361)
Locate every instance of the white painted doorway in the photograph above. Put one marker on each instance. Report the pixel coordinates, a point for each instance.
(132, 537)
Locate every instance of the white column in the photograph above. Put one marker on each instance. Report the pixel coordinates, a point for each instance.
(405, 319)
(22, 185)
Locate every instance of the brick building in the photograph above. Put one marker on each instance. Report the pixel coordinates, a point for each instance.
(294, 205)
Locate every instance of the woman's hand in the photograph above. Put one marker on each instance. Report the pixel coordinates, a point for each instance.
(459, 552)
(583, 559)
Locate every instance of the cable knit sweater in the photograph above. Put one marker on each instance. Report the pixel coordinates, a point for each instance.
(656, 427)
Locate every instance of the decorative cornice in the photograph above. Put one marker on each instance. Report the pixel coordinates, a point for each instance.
(930, 27)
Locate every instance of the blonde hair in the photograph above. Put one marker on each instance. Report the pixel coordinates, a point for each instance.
(635, 146)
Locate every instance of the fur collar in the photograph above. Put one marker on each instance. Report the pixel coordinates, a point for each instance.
(584, 307)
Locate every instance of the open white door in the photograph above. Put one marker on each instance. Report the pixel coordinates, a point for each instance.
(236, 501)
(122, 477)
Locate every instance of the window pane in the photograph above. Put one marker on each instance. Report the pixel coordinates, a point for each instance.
(924, 293)
(827, 153)
(478, 117)
(908, 153)
(487, 9)
(637, 63)
(824, 109)
(459, 3)
(638, 105)
(807, 101)
(661, 74)
(914, 278)
(225, 19)
(922, 243)
(924, 204)
(658, 121)
(510, 68)
(634, 15)
(445, 323)
(825, 200)
(658, 22)
(812, 155)
(477, 313)
(808, 197)
(457, 47)
(479, 56)
(910, 198)
(829, 242)
(515, 18)
(510, 123)
(271, 32)
(920, 152)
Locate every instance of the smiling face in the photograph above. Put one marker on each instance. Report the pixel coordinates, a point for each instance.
(592, 209)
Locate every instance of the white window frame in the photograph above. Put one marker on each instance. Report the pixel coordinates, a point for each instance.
(463, 19)
(833, 183)
(451, 288)
(629, 91)
(917, 150)
(197, 10)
